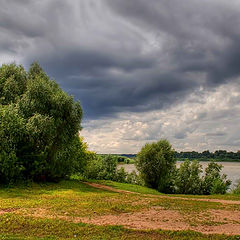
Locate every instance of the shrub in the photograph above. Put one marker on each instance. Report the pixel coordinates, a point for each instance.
(214, 182)
(218, 187)
(155, 163)
(126, 160)
(109, 168)
(93, 168)
(101, 168)
(120, 159)
(188, 179)
(134, 178)
(236, 189)
(105, 168)
(121, 175)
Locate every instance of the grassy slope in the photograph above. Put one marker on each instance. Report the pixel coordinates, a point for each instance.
(145, 190)
(32, 212)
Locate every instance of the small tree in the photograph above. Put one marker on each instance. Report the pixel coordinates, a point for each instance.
(214, 182)
(156, 164)
(188, 180)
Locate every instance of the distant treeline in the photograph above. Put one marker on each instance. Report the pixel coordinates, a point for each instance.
(219, 155)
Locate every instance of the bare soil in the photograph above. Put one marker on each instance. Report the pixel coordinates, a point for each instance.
(210, 222)
(214, 221)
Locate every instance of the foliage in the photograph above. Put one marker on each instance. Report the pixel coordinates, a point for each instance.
(105, 168)
(188, 179)
(119, 158)
(236, 189)
(134, 178)
(39, 125)
(218, 155)
(109, 168)
(101, 167)
(214, 182)
(121, 175)
(93, 167)
(155, 163)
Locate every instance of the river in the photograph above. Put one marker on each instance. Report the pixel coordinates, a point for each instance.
(231, 169)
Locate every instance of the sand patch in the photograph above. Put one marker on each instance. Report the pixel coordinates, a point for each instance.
(150, 219)
(209, 222)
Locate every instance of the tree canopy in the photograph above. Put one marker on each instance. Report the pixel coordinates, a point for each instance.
(39, 126)
(155, 163)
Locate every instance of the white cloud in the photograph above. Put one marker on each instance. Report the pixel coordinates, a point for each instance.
(212, 123)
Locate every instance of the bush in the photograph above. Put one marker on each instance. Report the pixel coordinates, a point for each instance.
(156, 163)
(93, 168)
(236, 189)
(120, 159)
(188, 179)
(121, 175)
(39, 125)
(105, 168)
(126, 160)
(101, 168)
(218, 187)
(134, 178)
(214, 182)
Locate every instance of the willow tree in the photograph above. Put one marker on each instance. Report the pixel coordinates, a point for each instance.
(39, 126)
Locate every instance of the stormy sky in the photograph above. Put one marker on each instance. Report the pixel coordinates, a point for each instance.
(142, 70)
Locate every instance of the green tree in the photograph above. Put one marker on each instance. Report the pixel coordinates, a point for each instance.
(214, 182)
(188, 180)
(39, 123)
(156, 164)
(13, 81)
(102, 167)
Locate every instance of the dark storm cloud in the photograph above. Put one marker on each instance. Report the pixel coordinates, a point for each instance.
(204, 34)
(117, 56)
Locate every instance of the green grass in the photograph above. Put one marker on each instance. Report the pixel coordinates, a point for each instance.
(21, 227)
(145, 190)
(47, 211)
(228, 196)
(70, 198)
(128, 187)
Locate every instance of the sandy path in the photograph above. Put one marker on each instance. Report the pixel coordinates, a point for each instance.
(100, 186)
(213, 221)
(157, 218)
(208, 222)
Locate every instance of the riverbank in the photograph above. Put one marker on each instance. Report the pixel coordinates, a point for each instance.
(231, 169)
